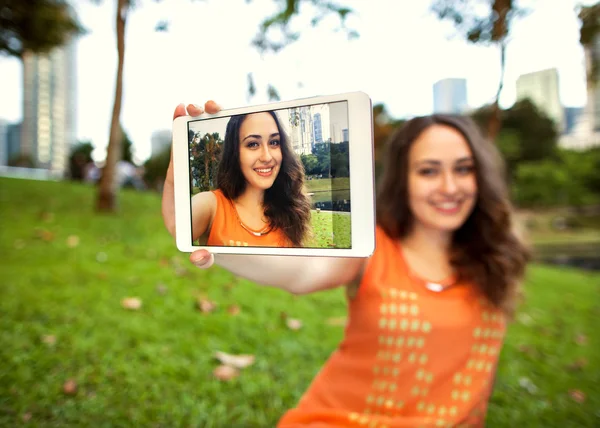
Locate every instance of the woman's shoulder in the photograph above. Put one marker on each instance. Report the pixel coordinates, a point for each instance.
(205, 199)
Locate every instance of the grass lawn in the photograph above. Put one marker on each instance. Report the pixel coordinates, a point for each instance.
(330, 230)
(66, 269)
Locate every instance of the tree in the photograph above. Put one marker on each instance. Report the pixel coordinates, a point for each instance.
(588, 33)
(107, 192)
(126, 147)
(36, 26)
(383, 128)
(527, 134)
(483, 22)
(107, 189)
(81, 155)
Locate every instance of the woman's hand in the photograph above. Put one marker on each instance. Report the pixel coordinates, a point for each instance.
(201, 258)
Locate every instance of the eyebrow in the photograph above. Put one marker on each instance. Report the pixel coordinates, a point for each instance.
(259, 137)
(435, 162)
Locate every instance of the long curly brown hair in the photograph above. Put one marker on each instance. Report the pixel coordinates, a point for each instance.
(286, 204)
(486, 250)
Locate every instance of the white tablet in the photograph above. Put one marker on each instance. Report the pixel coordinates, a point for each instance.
(286, 178)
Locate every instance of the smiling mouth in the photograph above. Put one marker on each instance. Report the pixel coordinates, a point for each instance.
(448, 207)
(264, 172)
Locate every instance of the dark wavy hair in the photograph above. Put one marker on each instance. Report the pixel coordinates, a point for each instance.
(486, 249)
(286, 205)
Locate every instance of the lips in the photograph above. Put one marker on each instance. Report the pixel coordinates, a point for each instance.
(448, 207)
(264, 172)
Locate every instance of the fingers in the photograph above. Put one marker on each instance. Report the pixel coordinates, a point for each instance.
(210, 107)
(194, 110)
(202, 259)
(179, 111)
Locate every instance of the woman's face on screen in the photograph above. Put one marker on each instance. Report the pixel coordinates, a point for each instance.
(260, 150)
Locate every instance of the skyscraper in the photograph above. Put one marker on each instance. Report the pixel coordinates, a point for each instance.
(4, 142)
(48, 129)
(318, 128)
(541, 87)
(450, 96)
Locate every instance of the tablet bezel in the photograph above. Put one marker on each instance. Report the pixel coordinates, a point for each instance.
(362, 179)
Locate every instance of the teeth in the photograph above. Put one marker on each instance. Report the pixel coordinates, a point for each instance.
(264, 170)
(448, 205)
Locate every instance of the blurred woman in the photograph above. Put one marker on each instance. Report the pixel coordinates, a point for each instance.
(428, 310)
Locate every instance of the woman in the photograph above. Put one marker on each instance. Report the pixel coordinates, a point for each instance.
(260, 199)
(428, 311)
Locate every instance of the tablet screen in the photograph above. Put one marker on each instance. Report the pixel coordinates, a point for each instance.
(276, 178)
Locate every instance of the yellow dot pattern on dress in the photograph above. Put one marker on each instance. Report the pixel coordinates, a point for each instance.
(401, 338)
(483, 354)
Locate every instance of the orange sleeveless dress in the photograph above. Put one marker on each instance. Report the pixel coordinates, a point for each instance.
(226, 230)
(410, 357)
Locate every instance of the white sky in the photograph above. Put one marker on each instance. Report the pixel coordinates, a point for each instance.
(401, 52)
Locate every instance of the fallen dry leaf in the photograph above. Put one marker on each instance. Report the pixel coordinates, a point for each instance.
(237, 361)
(234, 310)
(224, 372)
(70, 387)
(526, 349)
(26, 417)
(49, 339)
(337, 321)
(294, 324)
(577, 395)
(72, 241)
(578, 364)
(206, 305)
(181, 271)
(161, 289)
(164, 262)
(132, 303)
(581, 339)
(45, 235)
(46, 216)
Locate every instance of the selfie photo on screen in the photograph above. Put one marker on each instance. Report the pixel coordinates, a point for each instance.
(275, 178)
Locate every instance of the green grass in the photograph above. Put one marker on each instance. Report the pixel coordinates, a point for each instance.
(330, 230)
(153, 367)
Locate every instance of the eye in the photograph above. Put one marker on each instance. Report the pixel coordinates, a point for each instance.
(252, 144)
(274, 142)
(465, 169)
(427, 171)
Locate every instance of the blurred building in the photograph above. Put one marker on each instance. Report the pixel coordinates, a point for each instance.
(4, 142)
(338, 121)
(541, 88)
(48, 130)
(160, 140)
(450, 96)
(10, 141)
(584, 130)
(572, 117)
(301, 130)
(318, 128)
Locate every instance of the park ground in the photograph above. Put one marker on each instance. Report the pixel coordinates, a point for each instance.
(75, 352)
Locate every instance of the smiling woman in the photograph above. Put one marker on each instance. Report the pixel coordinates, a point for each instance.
(260, 198)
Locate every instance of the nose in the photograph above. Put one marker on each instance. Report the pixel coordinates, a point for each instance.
(265, 154)
(449, 184)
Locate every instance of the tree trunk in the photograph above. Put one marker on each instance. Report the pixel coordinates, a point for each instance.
(107, 192)
(495, 122)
